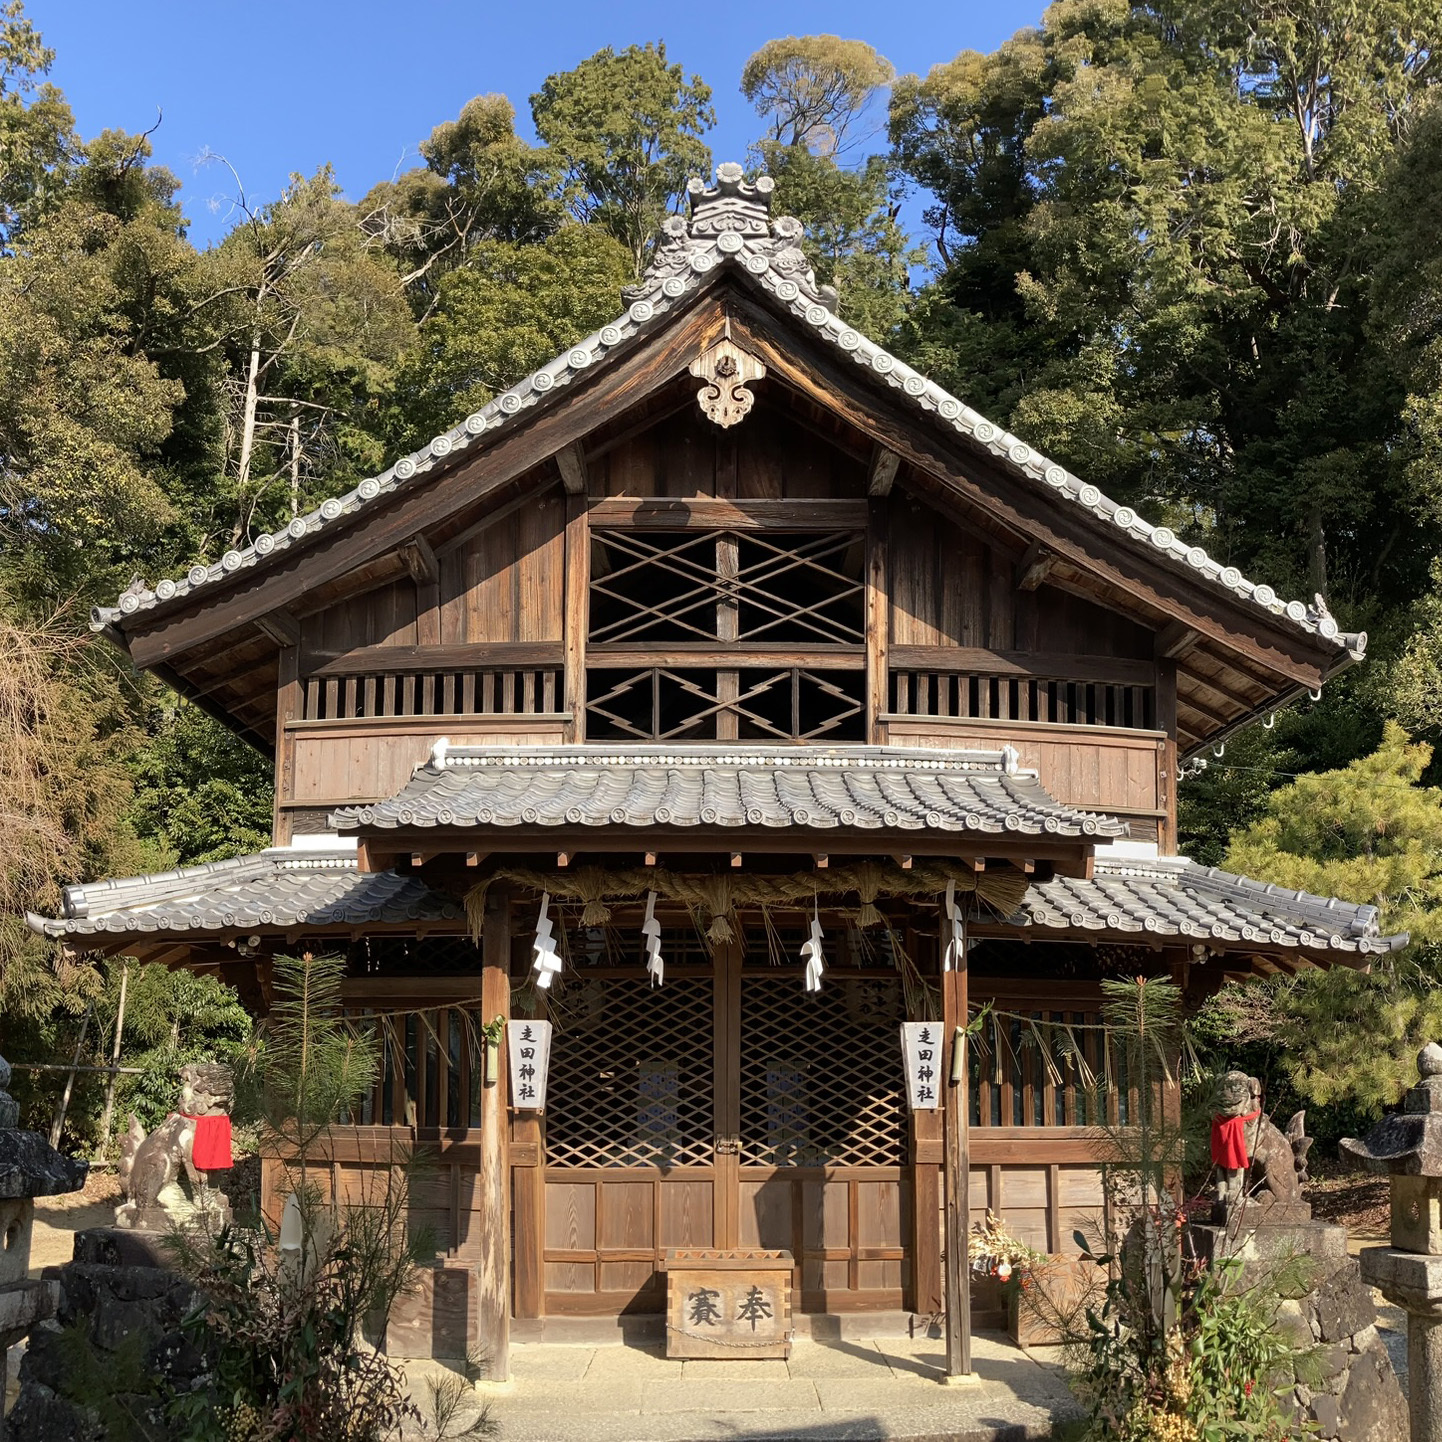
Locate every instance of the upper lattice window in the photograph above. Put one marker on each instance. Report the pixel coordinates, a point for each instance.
(754, 587)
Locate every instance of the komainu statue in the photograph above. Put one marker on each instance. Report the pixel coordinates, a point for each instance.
(1255, 1164)
(184, 1149)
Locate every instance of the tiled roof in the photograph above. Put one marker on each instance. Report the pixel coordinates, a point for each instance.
(862, 787)
(280, 888)
(1163, 900)
(731, 226)
(1171, 897)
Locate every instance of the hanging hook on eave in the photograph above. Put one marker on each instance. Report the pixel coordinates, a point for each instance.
(1269, 722)
(1315, 695)
(1219, 751)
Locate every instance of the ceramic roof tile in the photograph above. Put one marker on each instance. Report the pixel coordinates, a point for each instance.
(280, 888)
(1171, 897)
(1167, 899)
(730, 225)
(863, 788)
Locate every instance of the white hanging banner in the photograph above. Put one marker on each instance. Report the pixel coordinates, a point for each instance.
(954, 950)
(651, 930)
(529, 1043)
(811, 954)
(547, 959)
(921, 1051)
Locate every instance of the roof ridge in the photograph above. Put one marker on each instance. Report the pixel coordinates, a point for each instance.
(731, 225)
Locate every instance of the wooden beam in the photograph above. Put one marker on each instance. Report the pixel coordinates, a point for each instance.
(707, 513)
(736, 858)
(904, 862)
(287, 710)
(396, 660)
(881, 473)
(956, 1167)
(473, 858)
(820, 860)
(571, 462)
(563, 859)
(420, 560)
(280, 626)
(1050, 665)
(576, 600)
(877, 623)
(650, 858)
(1035, 566)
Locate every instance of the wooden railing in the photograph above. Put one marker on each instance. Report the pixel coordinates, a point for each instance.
(522, 680)
(973, 684)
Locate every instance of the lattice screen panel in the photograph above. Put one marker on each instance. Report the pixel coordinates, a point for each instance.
(821, 1075)
(632, 1074)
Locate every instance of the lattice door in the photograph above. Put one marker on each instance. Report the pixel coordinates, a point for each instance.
(821, 1075)
(631, 1075)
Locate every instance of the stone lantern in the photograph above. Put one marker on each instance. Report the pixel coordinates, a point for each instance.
(29, 1167)
(1408, 1148)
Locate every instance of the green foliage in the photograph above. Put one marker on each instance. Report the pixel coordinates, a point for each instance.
(314, 1064)
(199, 790)
(625, 132)
(36, 134)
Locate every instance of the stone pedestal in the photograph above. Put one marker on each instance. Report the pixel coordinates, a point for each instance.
(1408, 1148)
(29, 1167)
(1344, 1386)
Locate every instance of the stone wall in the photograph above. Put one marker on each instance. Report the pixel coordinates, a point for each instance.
(1345, 1387)
(129, 1309)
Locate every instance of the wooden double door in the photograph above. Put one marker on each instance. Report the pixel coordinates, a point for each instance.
(727, 1108)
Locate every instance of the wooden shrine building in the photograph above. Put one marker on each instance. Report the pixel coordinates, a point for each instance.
(729, 615)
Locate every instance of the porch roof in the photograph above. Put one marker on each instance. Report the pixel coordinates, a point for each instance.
(277, 889)
(729, 787)
(1166, 899)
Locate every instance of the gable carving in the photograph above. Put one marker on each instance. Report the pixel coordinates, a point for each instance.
(727, 371)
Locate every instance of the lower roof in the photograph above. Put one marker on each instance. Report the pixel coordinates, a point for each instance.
(1167, 899)
(729, 787)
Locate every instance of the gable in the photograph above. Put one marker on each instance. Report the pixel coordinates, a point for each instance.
(732, 274)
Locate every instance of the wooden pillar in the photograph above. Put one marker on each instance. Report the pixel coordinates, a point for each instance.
(928, 1294)
(492, 1315)
(877, 620)
(957, 1168)
(576, 621)
(1166, 720)
(287, 709)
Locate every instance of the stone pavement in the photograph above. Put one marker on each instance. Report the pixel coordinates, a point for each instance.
(835, 1391)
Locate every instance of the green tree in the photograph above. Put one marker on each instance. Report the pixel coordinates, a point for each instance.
(36, 130)
(480, 182)
(813, 89)
(508, 310)
(625, 133)
(1369, 832)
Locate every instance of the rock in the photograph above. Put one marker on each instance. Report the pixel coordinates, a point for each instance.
(1291, 1322)
(1372, 1408)
(41, 1416)
(1326, 1414)
(1344, 1305)
(114, 1247)
(1331, 1361)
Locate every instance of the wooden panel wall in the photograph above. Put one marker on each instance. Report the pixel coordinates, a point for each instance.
(1099, 768)
(768, 458)
(369, 760)
(948, 588)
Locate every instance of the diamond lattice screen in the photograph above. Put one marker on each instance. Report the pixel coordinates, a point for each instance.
(821, 1075)
(631, 1077)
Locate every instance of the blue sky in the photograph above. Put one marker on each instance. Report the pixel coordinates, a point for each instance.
(281, 87)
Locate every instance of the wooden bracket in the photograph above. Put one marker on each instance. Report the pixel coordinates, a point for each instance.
(571, 462)
(1034, 567)
(281, 627)
(884, 465)
(1173, 640)
(420, 561)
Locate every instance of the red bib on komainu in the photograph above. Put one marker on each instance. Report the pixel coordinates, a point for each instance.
(211, 1150)
(1229, 1141)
